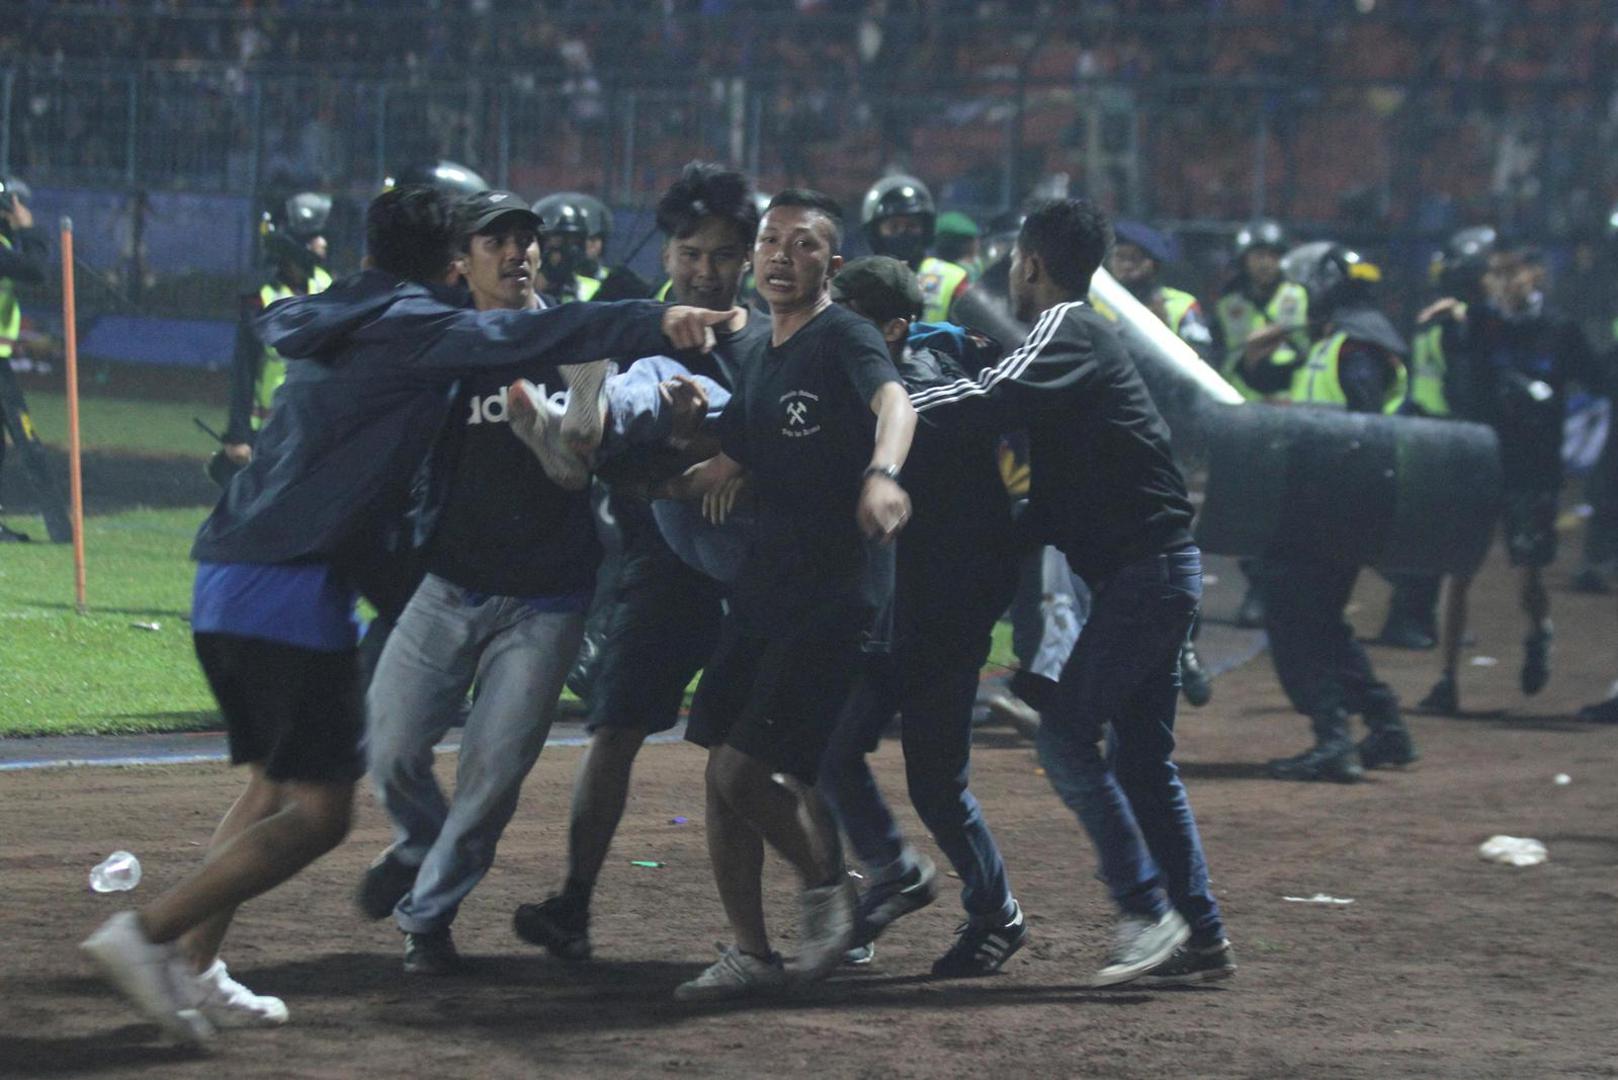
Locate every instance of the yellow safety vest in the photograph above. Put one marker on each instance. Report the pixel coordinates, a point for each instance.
(663, 290)
(273, 371)
(1239, 316)
(1427, 365)
(10, 312)
(1175, 304)
(938, 279)
(1317, 382)
(585, 287)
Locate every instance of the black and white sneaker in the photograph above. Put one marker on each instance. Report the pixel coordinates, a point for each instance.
(982, 950)
(562, 929)
(885, 902)
(1190, 965)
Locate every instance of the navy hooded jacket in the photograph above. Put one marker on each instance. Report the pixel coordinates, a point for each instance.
(375, 365)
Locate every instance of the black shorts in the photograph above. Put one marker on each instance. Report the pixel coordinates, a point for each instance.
(662, 628)
(776, 699)
(298, 712)
(1530, 525)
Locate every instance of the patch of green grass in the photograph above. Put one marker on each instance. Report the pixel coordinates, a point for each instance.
(63, 673)
(141, 427)
(66, 674)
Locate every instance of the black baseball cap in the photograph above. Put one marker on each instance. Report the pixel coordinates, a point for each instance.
(478, 212)
(883, 287)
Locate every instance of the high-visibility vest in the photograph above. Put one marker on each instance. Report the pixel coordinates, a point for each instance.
(10, 312)
(938, 279)
(273, 371)
(1317, 382)
(1427, 366)
(1239, 316)
(585, 287)
(662, 292)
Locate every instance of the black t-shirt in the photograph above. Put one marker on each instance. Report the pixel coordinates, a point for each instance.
(800, 420)
(505, 529)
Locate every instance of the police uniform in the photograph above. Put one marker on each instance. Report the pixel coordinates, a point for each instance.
(1239, 315)
(21, 259)
(258, 370)
(1323, 669)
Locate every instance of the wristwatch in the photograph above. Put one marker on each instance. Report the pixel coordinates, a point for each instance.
(890, 471)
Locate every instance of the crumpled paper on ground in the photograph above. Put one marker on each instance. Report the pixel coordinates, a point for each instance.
(1513, 851)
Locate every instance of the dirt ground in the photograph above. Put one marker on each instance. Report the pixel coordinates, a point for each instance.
(1444, 965)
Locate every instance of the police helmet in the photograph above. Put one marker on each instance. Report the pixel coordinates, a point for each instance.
(285, 231)
(449, 177)
(1459, 267)
(597, 216)
(1330, 273)
(14, 187)
(304, 216)
(1260, 234)
(897, 196)
(564, 214)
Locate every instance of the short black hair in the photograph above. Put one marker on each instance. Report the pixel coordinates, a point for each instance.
(705, 190)
(1071, 236)
(411, 232)
(820, 202)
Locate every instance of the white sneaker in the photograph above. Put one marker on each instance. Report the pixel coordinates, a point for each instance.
(585, 417)
(152, 977)
(1141, 944)
(538, 424)
(229, 1004)
(734, 974)
(825, 929)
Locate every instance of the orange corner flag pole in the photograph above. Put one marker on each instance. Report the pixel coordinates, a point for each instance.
(70, 335)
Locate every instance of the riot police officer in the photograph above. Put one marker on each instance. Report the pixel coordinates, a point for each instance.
(22, 259)
(293, 245)
(900, 219)
(564, 240)
(1356, 363)
(1139, 252)
(1458, 270)
(1262, 320)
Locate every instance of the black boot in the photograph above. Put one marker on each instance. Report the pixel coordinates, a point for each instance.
(1389, 742)
(12, 536)
(1195, 682)
(1333, 757)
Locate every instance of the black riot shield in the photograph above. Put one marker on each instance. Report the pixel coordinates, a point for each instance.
(1393, 492)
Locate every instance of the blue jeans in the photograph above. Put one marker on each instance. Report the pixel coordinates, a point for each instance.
(446, 640)
(1124, 673)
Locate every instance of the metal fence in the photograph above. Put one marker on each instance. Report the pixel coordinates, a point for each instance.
(1388, 163)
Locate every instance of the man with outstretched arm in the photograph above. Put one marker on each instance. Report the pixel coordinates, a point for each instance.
(272, 614)
(1106, 492)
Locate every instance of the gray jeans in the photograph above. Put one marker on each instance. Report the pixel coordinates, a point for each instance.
(447, 640)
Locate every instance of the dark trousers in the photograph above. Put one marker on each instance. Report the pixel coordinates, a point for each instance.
(1321, 666)
(930, 681)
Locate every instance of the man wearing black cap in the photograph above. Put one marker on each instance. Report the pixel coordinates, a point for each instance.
(956, 572)
(511, 559)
